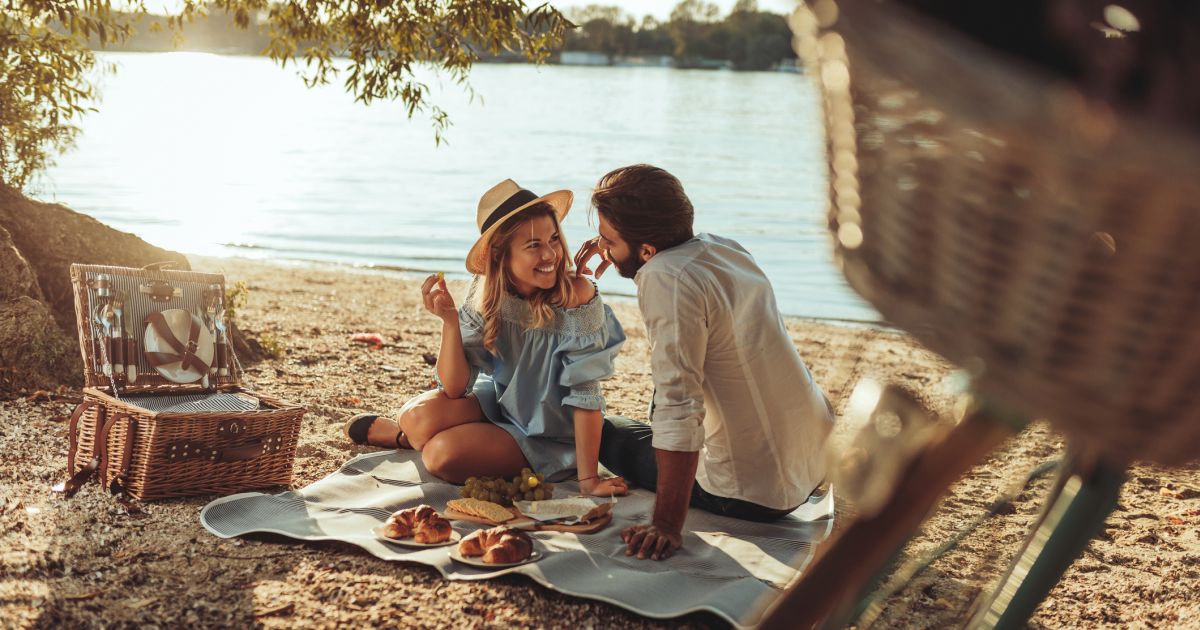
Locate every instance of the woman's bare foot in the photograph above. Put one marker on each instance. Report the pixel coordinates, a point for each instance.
(386, 433)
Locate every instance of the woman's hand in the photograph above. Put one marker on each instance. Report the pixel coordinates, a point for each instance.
(587, 251)
(597, 487)
(437, 298)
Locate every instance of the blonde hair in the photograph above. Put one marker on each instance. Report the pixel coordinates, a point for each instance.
(489, 288)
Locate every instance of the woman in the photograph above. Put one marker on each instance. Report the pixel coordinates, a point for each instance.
(520, 363)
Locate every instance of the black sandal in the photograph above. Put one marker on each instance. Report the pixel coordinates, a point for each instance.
(358, 426)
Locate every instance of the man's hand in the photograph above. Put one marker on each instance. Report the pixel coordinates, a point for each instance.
(650, 541)
(587, 251)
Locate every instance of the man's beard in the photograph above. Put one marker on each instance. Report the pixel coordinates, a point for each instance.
(628, 267)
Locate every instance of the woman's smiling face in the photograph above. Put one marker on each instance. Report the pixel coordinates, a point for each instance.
(534, 255)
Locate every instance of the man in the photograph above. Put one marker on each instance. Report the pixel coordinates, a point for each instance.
(737, 423)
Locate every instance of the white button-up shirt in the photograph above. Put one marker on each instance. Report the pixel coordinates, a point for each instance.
(728, 380)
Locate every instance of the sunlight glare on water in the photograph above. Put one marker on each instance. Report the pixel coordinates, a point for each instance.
(229, 155)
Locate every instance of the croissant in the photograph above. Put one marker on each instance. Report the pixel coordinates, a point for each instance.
(423, 523)
(432, 530)
(498, 545)
(396, 529)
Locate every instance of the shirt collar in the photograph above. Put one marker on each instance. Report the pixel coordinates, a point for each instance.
(661, 257)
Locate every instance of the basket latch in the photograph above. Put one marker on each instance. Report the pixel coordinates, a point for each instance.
(231, 428)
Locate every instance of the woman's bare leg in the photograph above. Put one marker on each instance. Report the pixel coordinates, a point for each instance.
(423, 417)
(476, 449)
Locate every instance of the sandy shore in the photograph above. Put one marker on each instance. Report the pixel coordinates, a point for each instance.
(87, 561)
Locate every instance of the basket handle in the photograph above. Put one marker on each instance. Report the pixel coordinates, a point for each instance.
(103, 439)
(72, 485)
(73, 433)
(117, 485)
(159, 266)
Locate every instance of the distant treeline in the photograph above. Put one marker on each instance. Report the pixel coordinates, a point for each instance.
(214, 32)
(694, 36)
(747, 38)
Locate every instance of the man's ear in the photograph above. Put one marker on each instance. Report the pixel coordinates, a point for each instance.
(646, 252)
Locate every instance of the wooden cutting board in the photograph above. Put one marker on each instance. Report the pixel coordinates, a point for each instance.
(524, 522)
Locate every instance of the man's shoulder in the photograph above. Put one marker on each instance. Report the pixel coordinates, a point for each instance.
(715, 240)
(704, 255)
(673, 274)
(664, 292)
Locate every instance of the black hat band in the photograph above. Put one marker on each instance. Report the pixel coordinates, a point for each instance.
(518, 199)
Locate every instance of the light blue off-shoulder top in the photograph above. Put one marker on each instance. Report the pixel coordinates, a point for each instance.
(541, 375)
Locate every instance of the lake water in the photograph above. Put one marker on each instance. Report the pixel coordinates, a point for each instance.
(233, 156)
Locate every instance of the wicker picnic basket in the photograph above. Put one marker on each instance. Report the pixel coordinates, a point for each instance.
(1046, 242)
(151, 437)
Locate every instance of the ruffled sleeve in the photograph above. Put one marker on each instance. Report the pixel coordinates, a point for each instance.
(470, 324)
(589, 356)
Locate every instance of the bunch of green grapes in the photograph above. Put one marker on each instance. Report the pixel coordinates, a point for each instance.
(492, 489)
(527, 486)
(531, 486)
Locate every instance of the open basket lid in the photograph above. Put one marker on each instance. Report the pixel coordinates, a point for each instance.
(168, 319)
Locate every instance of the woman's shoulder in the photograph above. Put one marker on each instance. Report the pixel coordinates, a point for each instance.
(585, 291)
(588, 318)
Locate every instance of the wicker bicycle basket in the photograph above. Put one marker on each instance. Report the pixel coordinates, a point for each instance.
(1046, 243)
(151, 437)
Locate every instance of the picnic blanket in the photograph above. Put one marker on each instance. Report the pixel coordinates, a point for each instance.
(727, 566)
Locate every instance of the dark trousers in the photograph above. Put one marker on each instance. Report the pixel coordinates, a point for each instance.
(626, 449)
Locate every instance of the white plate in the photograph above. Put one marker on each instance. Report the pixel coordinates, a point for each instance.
(478, 560)
(409, 542)
(179, 321)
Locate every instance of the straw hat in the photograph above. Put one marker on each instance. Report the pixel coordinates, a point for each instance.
(499, 204)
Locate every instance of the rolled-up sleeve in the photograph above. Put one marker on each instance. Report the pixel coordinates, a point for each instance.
(589, 359)
(677, 327)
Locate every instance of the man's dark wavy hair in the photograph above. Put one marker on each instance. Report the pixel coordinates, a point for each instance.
(645, 205)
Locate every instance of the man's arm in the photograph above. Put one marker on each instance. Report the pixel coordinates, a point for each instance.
(677, 325)
(660, 539)
(676, 475)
